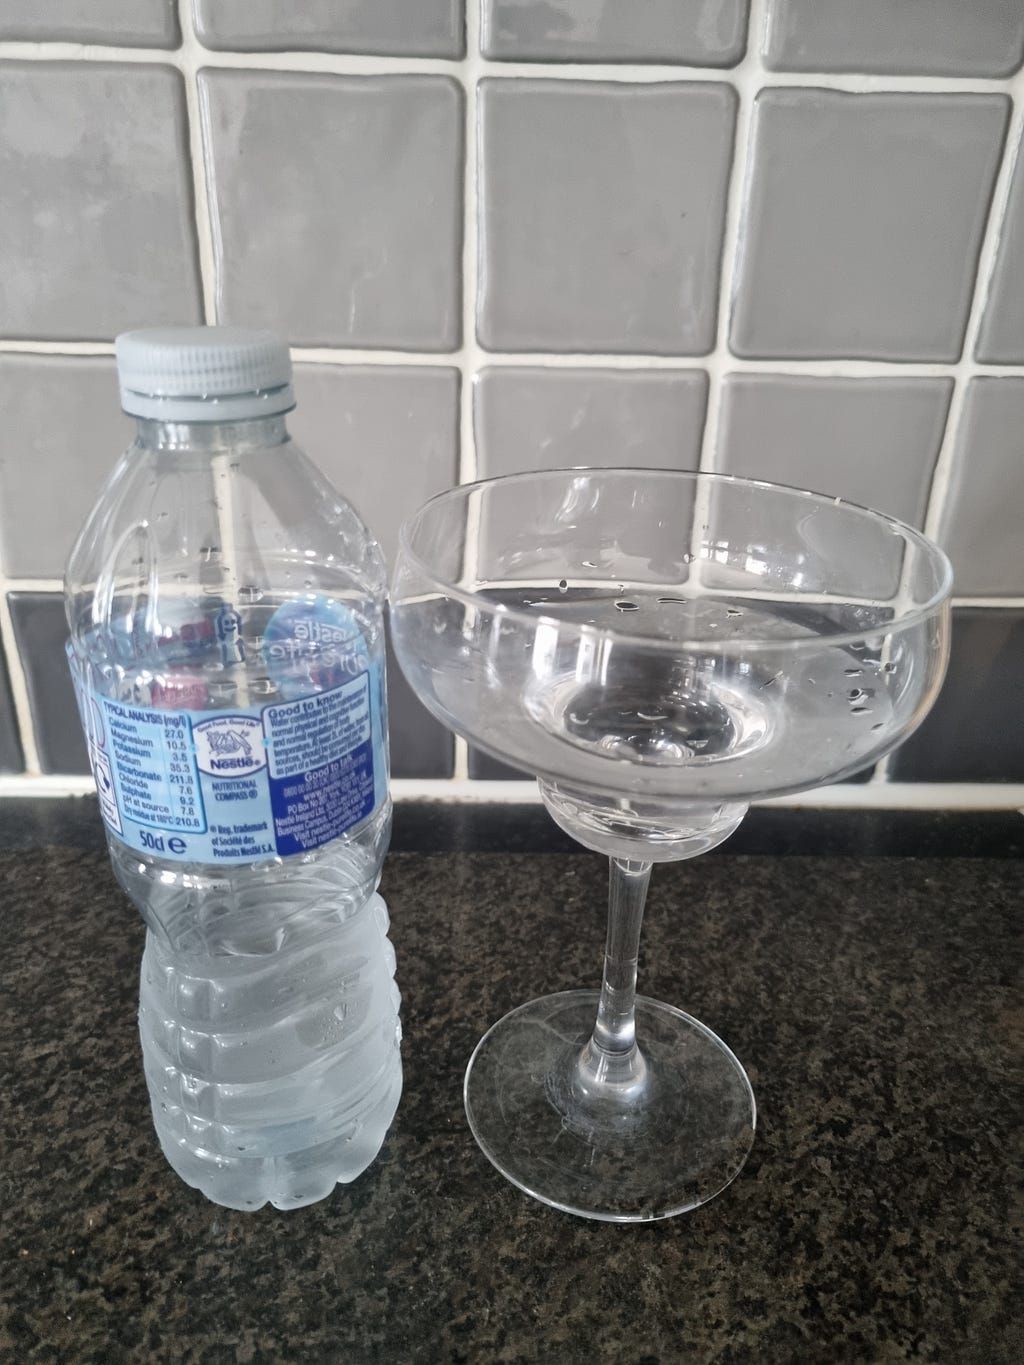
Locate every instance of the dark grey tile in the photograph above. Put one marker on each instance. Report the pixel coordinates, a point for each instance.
(418, 28)
(689, 32)
(863, 223)
(41, 632)
(973, 733)
(11, 758)
(941, 38)
(337, 205)
(97, 229)
(487, 769)
(126, 23)
(984, 510)
(602, 209)
(1001, 339)
(533, 418)
(386, 436)
(63, 430)
(420, 745)
(873, 441)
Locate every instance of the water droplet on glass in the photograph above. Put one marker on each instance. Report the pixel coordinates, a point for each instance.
(889, 668)
(687, 559)
(623, 605)
(589, 564)
(878, 725)
(860, 710)
(733, 611)
(249, 592)
(854, 693)
(672, 601)
(563, 586)
(853, 672)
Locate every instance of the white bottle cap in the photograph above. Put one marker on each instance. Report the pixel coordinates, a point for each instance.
(204, 374)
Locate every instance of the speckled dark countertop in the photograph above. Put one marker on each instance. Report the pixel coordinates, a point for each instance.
(873, 996)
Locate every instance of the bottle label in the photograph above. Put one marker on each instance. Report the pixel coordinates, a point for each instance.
(254, 782)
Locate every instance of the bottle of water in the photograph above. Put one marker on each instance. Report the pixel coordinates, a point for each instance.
(227, 645)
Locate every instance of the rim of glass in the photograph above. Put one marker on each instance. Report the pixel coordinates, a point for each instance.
(733, 642)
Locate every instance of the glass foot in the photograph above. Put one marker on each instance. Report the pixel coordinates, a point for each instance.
(656, 1150)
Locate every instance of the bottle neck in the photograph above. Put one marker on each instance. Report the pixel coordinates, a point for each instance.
(256, 433)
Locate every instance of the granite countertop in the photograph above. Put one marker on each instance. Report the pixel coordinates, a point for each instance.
(872, 994)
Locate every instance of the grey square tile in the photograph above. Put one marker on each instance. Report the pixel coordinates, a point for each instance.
(420, 28)
(863, 223)
(97, 230)
(602, 213)
(984, 509)
(972, 733)
(942, 37)
(386, 436)
(685, 31)
(61, 434)
(11, 757)
(420, 745)
(354, 239)
(41, 632)
(532, 418)
(873, 441)
(128, 23)
(1001, 339)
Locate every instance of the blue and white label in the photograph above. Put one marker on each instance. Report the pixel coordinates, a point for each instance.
(245, 785)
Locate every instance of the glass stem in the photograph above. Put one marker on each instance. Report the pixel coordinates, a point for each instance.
(611, 1063)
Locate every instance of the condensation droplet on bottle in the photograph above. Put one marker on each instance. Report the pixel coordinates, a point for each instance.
(563, 585)
(624, 605)
(855, 692)
(733, 611)
(589, 564)
(889, 668)
(853, 672)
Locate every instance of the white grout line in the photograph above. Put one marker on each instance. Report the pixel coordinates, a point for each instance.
(471, 352)
(26, 347)
(355, 64)
(190, 57)
(942, 476)
(977, 796)
(31, 584)
(831, 368)
(989, 603)
(18, 684)
(993, 602)
(471, 355)
(747, 78)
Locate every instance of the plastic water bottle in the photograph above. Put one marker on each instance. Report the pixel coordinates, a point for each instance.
(227, 645)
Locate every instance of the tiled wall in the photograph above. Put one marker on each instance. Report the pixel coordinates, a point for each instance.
(782, 238)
